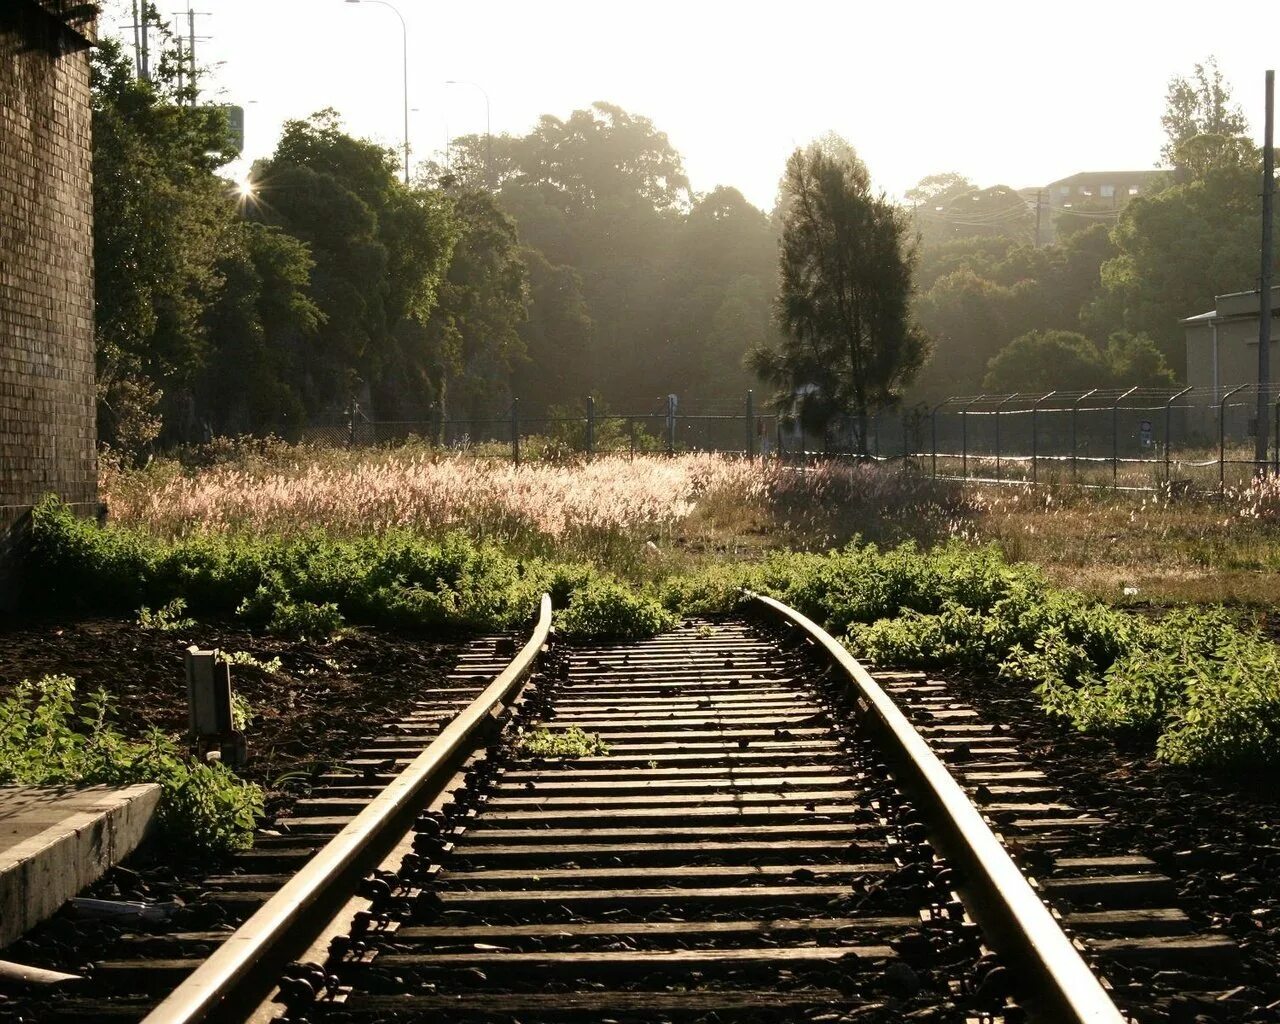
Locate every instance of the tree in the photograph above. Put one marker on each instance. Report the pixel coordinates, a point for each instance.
(162, 221)
(474, 328)
(1200, 121)
(381, 250)
(845, 283)
(1042, 361)
(1176, 250)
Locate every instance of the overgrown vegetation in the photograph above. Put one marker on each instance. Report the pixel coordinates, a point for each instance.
(1197, 685)
(312, 584)
(570, 742)
(47, 738)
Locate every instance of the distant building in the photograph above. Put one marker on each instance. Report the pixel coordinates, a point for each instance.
(1094, 195)
(1222, 350)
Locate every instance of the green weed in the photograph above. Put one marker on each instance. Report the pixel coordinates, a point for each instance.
(570, 742)
(46, 740)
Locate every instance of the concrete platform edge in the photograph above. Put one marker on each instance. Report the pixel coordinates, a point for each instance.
(96, 828)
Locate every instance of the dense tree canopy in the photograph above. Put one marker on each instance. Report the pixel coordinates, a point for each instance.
(843, 303)
(576, 259)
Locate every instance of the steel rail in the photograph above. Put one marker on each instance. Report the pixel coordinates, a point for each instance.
(1020, 926)
(216, 981)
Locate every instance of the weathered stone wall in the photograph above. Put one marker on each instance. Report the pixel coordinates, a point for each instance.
(47, 429)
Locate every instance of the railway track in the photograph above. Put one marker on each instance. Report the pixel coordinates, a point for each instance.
(766, 837)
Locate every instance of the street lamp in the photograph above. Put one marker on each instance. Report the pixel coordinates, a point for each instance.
(405, 38)
(488, 138)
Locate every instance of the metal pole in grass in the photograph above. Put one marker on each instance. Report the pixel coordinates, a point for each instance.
(1035, 447)
(1275, 467)
(933, 430)
(999, 406)
(964, 436)
(591, 426)
(515, 431)
(1115, 437)
(1222, 439)
(1168, 430)
(751, 426)
(1075, 408)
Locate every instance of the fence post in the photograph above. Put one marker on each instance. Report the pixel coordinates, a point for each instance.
(1168, 431)
(671, 424)
(751, 426)
(1275, 470)
(1222, 442)
(964, 436)
(933, 432)
(515, 431)
(591, 425)
(1075, 408)
(999, 406)
(1115, 437)
(1035, 443)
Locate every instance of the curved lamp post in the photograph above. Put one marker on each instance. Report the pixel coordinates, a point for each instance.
(405, 53)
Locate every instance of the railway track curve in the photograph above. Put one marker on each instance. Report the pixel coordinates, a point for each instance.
(761, 833)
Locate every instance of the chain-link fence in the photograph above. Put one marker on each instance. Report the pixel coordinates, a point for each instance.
(1136, 438)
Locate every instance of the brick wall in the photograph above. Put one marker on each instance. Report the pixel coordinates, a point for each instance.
(47, 429)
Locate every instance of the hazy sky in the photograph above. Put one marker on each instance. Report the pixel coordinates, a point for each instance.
(1002, 92)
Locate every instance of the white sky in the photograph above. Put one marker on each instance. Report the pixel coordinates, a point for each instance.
(1003, 92)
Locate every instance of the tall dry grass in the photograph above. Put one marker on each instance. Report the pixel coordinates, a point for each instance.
(655, 514)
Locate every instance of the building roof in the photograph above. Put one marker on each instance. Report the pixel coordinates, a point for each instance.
(1116, 177)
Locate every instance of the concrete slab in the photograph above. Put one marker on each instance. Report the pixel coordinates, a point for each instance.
(54, 841)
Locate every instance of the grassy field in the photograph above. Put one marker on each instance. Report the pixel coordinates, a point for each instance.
(1034, 589)
(653, 516)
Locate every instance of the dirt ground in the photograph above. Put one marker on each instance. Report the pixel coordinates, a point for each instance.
(324, 696)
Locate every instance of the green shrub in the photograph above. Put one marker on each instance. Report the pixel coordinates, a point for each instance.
(312, 584)
(46, 740)
(605, 609)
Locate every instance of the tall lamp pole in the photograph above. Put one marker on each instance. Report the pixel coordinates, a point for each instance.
(488, 137)
(405, 46)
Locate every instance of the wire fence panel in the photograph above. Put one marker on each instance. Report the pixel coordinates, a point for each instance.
(1200, 439)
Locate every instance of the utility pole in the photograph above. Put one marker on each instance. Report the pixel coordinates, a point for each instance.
(187, 51)
(1264, 284)
(141, 39)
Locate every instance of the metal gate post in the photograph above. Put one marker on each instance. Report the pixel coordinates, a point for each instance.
(933, 430)
(1115, 437)
(1075, 408)
(1222, 442)
(999, 405)
(515, 431)
(1275, 469)
(964, 436)
(1168, 431)
(591, 426)
(1035, 446)
(751, 426)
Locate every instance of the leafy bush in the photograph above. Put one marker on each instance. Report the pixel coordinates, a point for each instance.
(605, 609)
(312, 584)
(46, 740)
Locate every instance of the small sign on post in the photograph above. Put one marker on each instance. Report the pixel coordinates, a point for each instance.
(209, 708)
